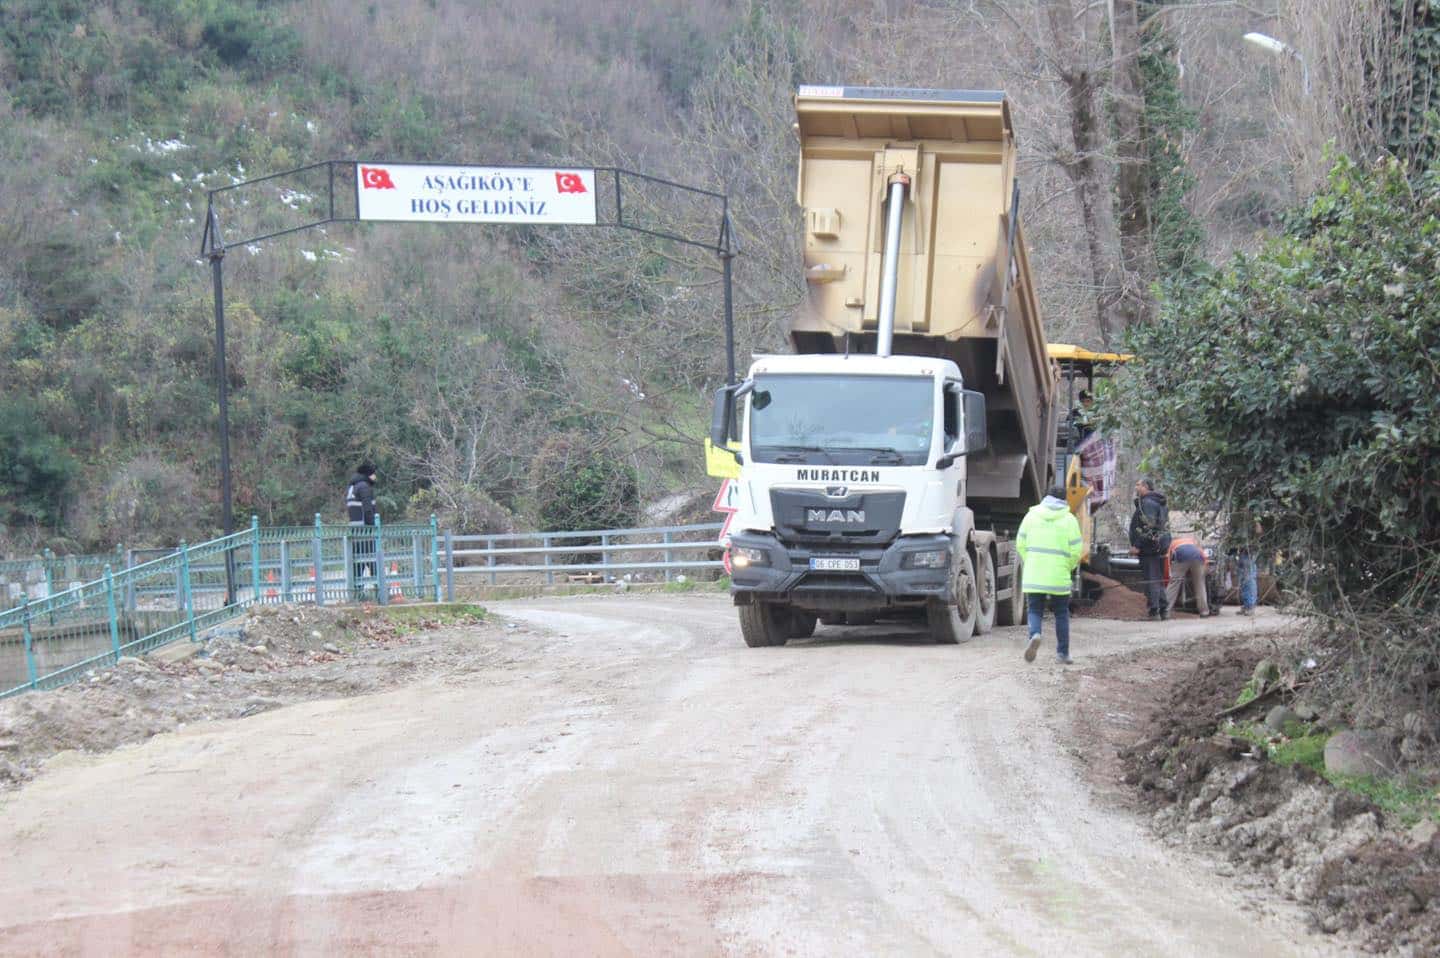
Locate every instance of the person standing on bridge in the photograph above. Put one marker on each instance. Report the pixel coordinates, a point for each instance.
(1049, 544)
(360, 510)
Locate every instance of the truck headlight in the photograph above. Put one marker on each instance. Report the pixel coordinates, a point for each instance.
(742, 557)
(929, 559)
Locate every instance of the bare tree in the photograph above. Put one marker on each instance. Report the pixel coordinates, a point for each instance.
(1056, 45)
(1132, 173)
(1073, 60)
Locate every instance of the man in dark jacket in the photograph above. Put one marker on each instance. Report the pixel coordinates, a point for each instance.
(1150, 540)
(360, 509)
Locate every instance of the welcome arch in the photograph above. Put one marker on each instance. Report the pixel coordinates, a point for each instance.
(356, 191)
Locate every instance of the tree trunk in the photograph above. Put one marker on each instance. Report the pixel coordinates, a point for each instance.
(1132, 187)
(1085, 166)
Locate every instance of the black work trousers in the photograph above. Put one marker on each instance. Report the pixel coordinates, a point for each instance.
(362, 545)
(1152, 570)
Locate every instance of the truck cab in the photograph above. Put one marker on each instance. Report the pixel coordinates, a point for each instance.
(851, 500)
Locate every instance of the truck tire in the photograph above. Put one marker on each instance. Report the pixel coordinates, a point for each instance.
(764, 625)
(985, 589)
(801, 625)
(1011, 611)
(951, 623)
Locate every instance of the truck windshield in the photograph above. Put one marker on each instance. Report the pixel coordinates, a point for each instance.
(842, 420)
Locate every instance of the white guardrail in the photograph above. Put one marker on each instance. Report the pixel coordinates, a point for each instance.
(598, 555)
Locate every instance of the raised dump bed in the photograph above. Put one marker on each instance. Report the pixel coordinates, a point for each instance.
(963, 285)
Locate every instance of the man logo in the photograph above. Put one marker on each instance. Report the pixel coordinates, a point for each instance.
(837, 492)
(835, 515)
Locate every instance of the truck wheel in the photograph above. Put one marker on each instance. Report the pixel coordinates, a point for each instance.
(950, 624)
(762, 624)
(801, 625)
(985, 588)
(1011, 611)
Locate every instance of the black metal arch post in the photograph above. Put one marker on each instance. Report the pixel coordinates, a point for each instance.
(216, 254)
(728, 248)
(213, 247)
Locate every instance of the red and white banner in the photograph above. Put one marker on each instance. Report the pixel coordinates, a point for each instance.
(474, 194)
(1097, 467)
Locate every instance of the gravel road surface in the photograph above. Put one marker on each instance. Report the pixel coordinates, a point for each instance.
(630, 779)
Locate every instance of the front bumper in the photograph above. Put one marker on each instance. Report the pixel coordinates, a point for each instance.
(881, 581)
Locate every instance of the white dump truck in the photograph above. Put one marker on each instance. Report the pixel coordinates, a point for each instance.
(886, 465)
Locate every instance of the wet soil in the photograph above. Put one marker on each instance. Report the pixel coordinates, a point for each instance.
(1152, 736)
(1117, 601)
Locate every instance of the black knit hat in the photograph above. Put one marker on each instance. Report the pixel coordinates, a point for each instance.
(1057, 492)
(366, 468)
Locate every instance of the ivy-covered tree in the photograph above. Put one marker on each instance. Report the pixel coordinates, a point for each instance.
(1176, 234)
(1409, 85)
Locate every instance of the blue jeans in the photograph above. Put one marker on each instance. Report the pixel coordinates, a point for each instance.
(1249, 585)
(1060, 605)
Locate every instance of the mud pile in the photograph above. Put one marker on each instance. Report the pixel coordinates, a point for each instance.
(274, 656)
(1117, 601)
(1330, 849)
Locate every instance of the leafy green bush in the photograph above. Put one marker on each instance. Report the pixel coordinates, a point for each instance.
(577, 486)
(242, 35)
(1301, 387)
(35, 466)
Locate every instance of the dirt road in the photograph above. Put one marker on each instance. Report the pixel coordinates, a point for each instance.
(635, 781)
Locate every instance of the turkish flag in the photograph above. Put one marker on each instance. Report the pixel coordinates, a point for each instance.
(569, 183)
(374, 178)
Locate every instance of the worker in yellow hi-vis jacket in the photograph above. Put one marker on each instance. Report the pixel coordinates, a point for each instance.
(1049, 547)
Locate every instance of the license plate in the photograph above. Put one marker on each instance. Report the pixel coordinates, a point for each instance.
(835, 565)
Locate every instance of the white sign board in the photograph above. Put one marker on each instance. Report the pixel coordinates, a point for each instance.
(474, 194)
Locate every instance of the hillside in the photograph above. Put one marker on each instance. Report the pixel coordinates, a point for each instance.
(453, 355)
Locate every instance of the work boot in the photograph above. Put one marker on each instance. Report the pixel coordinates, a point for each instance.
(1064, 659)
(1032, 647)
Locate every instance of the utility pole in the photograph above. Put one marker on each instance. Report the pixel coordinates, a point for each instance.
(216, 254)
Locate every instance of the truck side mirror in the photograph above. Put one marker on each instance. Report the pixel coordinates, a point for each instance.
(954, 447)
(974, 435)
(724, 416)
(965, 414)
(977, 434)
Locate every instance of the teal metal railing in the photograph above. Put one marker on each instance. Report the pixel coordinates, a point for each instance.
(59, 638)
(44, 575)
